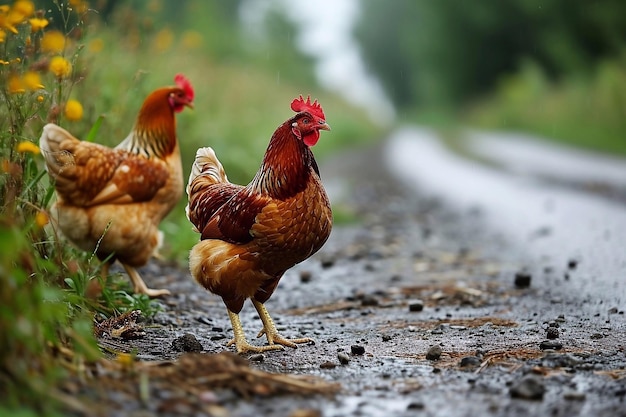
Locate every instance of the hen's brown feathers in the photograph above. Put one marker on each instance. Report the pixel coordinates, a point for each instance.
(112, 200)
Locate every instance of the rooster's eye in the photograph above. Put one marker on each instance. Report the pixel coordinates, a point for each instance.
(306, 121)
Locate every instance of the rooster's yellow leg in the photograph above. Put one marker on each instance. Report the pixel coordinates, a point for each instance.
(269, 329)
(139, 286)
(240, 341)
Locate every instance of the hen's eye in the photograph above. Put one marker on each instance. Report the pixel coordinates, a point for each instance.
(306, 121)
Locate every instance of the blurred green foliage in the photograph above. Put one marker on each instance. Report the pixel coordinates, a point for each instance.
(550, 67)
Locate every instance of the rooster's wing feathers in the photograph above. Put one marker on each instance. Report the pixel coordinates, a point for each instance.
(233, 221)
(88, 174)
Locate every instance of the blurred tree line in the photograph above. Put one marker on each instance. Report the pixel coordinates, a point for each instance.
(448, 52)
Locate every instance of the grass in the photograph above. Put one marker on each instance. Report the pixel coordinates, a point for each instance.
(585, 111)
(109, 70)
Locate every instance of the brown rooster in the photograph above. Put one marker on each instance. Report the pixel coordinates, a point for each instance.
(251, 235)
(111, 201)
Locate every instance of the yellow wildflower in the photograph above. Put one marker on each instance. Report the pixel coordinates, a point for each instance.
(15, 84)
(96, 45)
(163, 40)
(27, 146)
(73, 110)
(3, 35)
(53, 41)
(79, 5)
(126, 360)
(41, 218)
(40, 99)
(32, 81)
(60, 67)
(5, 19)
(37, 24)
(22, 9)
(191, 39)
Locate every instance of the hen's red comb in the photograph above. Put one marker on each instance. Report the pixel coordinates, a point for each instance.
(314, 108)
(185, 85)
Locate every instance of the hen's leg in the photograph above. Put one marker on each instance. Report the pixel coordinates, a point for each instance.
(269, 329)
(240, 341)
(139, 286)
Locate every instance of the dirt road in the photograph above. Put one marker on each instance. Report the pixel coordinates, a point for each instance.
(423, 307)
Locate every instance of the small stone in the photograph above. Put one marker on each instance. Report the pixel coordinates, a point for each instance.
(257, 357)
(572, 264)
(328, 365)
(386, 338)
(305, 276)
(470, 362)
(574, 396)
(434, 353)
(415, 406)
(343, 358)
(552, 333)
(528, 388)
(522, 279)
(187, 343)
(357, 349)
(550, 344)
(327, 262)
(416, 305)
(369, 301)
(613, 310)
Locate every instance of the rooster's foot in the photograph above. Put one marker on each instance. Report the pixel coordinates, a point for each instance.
(244, 347)
(274, 338)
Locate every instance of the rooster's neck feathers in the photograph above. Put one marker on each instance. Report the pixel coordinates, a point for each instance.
(154, 134)
(286, 167)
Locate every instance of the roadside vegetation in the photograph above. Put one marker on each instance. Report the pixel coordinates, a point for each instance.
(556, 69)
(89, 70)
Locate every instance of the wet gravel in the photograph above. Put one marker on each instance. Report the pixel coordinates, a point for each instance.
(415, 310)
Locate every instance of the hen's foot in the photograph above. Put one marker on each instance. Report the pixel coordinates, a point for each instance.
(151, 292)
(139, 286)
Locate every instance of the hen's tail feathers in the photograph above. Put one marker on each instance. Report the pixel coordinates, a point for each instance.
(55, 156)
(206, 170)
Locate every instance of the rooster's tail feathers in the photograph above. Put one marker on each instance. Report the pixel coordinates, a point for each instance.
(208, 166)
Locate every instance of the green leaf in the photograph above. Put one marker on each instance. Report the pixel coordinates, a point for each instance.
(94, 129)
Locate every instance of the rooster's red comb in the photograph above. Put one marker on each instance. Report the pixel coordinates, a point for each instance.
(314, 108)
(182, 82)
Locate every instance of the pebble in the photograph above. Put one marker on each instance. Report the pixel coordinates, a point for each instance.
(416, 305)
(575, 396)
(528, 388)
(552, 333)
(328, 365)
(470, 362)
(434, 353)
(305, 276)
(343, 358)
(550, 344)
(187, 343)
(369, 301)
(357, 349)
(257, 357)
(522, 279)
(386, 338)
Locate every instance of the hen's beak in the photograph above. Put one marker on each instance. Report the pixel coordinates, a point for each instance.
(323, 125)
(189, 104)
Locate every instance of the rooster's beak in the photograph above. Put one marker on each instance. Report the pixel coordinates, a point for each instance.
(189, 104)
(323, 125)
